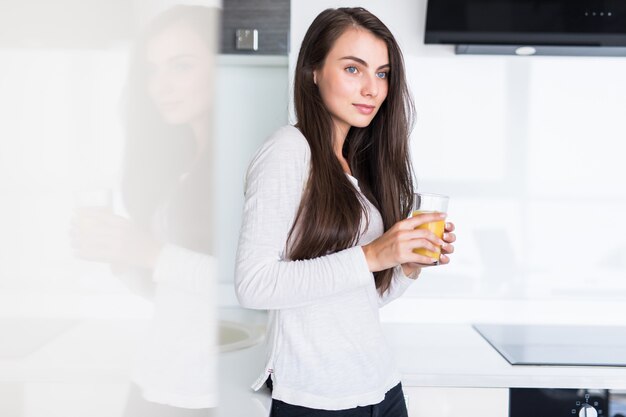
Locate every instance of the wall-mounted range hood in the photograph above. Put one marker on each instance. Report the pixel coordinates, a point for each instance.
(527, 27)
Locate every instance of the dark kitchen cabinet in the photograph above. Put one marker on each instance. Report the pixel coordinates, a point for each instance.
(270, 18)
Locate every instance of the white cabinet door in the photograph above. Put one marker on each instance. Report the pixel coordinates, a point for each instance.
(455, 402)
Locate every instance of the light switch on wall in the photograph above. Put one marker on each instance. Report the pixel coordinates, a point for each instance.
(247, 39)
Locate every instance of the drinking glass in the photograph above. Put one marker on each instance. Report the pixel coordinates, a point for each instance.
(430, 203)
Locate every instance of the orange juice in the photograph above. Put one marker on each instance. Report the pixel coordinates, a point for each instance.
(435, 227)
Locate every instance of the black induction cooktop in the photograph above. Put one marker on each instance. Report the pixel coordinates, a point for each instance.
(557, 345)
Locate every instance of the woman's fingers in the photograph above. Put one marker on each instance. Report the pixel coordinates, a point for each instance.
(449, 237)
(447, 248)
(423, 244)
(422, 234)
(421, 259)
(422, 218)
(422, 238)
(443, 260)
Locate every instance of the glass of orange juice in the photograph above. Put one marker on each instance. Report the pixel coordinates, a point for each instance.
(430, 203)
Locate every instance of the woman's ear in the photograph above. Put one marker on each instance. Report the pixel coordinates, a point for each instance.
(315, 77)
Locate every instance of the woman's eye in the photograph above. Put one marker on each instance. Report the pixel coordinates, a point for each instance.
(382, 74)
(352, 70)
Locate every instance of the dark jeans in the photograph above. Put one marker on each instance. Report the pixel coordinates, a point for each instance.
(392, 406)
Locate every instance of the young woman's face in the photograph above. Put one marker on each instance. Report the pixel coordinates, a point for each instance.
(353, 80)
(180, 74)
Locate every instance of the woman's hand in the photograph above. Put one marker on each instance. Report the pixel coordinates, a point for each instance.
(396, 245)
(449, 237)
(412, 269)
(99, 235)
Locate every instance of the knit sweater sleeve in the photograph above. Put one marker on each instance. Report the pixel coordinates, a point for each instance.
(264, 277)
(399, 284)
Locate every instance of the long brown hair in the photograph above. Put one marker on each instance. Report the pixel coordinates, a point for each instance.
(330, 213)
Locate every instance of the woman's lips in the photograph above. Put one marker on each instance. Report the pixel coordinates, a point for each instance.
(364, 108)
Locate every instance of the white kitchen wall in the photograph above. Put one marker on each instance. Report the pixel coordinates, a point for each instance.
(251, 99)
(530, 149)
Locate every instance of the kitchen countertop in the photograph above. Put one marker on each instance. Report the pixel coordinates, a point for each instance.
(451, 355)
(443, 355)
(428, 355)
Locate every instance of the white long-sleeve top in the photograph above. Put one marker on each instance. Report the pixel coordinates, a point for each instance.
(326, 347)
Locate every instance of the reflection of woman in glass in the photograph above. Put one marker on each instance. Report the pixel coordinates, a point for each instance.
(325, 239)
(164, 249)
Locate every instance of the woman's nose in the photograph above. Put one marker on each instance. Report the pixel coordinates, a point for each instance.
(370, 86)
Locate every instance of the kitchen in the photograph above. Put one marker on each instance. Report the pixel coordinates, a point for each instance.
(528, 148)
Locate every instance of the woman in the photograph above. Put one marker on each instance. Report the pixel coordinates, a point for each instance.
(164, 249)
(325, 238)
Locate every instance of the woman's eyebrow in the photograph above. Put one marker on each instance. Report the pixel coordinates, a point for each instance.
(362, 62)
